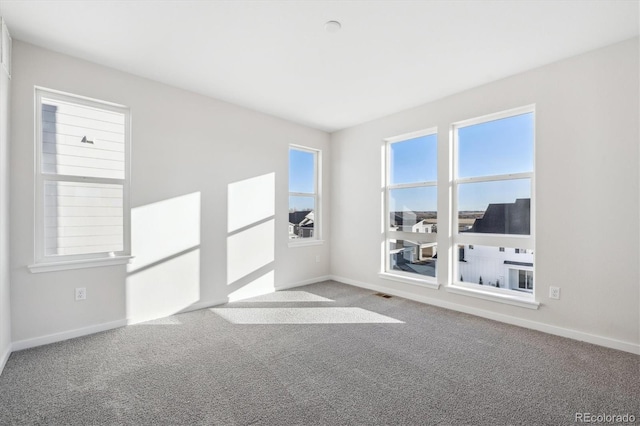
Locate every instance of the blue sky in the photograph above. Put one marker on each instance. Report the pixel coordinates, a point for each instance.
(492, 148)
(496, 147)
(301, 178)
(414, 160)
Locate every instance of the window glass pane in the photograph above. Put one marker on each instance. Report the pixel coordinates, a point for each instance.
(509, 269)
(302, 172)
(417, 257)
(496, 147)
(413, 209)
(82, 218)
(301, 217)
(82, 141)
(496, 207)
(414, 160)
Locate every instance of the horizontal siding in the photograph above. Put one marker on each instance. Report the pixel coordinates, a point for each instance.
(58, 139)
(64, 126)
(68, 108)
(77, 242)
(68, 222)
(58, 200)
(82, 218)
(84, 151)
(81, 131)
(84, 250)
(84, 231)
(84, 121)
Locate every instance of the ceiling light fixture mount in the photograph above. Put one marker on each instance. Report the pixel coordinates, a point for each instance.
(332, 26)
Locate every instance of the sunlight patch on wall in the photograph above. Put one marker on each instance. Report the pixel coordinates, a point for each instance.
(165, 288)
(302, 316)
(250, 201)
(165, 228)
(249, 250)
(164, 277)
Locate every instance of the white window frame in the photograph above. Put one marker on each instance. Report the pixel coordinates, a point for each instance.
(387, 272)
(43, 263)
(495, 240)
(316, 239)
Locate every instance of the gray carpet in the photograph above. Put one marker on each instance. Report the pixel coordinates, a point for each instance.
(286, 359)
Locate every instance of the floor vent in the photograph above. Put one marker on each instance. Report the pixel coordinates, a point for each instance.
(386, 296)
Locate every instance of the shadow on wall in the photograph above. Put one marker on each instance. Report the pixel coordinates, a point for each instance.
(251, 237)
(164, 277)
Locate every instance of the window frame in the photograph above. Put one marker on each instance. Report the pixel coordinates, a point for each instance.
(316, 239)
(388, 234)
(487, 239)
(47, 263)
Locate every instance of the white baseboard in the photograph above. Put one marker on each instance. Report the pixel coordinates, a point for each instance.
(534, 325)
(5, 357)
(65, 335)
(304, 282)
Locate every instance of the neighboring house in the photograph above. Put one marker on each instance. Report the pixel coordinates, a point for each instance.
(424, 227)
(502, 267)
(410, 251)
(505, 218)
(301, 224)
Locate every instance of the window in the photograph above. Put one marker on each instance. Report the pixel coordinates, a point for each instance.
(82, 181)
(304, 194)
(411, 211)
(493, 199)
(525, 280)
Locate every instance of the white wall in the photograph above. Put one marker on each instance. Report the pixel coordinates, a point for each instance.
(586, 192)
(190, 155)
(5, 300)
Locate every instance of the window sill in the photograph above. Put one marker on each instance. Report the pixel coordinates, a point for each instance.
(37, 268)
(509, 299)
(409, 280)
(306, 243)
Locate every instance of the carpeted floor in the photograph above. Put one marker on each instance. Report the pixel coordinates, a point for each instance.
(322, 354)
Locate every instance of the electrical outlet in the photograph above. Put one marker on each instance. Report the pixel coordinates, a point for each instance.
(81, 293)
(554, 292)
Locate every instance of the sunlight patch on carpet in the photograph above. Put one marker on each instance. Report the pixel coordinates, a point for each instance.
(302, 316)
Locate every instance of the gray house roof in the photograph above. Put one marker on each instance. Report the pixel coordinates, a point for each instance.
(505, 218)
(297, 217)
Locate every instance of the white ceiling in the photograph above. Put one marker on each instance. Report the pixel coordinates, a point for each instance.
(276, 57)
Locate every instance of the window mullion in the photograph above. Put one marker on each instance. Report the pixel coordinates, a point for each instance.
(413, 185)
(81, 179)
(510, 176)
(302, 194)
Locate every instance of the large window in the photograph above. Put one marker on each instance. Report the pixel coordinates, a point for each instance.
(82, 180)
(493, 200)
(304, 194)
(411, 211)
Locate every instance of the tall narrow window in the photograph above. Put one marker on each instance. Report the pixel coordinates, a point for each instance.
(411, 212)
(304, 194)
(493, 199)
(82, 179)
